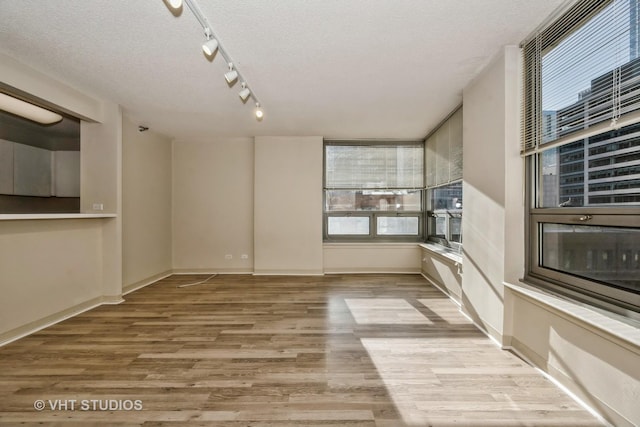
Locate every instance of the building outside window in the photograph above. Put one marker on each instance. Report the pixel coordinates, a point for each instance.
(581, 137)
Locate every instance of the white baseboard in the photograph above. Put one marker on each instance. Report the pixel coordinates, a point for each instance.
(37, 325)
(558, 383)
(184, 271)
(145, 282)
(371, 271)
(288, 273)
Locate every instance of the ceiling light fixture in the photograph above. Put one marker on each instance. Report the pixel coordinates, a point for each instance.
(175, 4)
(213, 44)
(232, 75)
(28, 110)
(259, 112)
(245, 92)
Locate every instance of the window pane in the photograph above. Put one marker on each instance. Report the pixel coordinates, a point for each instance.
(373, 200)
(348, 225)
(374, 166)
(438, 227)
(398, 225)
(605, 172)
(455, 230)
(445, 222)
(447, 197)
(579, 73)
(606, 254)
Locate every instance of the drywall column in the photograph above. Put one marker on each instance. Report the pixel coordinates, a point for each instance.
(288, 205)
(213, 205)
(146, 206)
(101, 188)
(492, 190)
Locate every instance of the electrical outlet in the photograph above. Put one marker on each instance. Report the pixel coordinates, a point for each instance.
(228, 256)
(98, 206)
(244, 256)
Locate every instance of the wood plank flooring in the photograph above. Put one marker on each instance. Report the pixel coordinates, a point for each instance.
(350, 350)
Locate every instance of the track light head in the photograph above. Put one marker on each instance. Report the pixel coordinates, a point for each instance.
(174, 4)
(259, 112)
(211, 45)
(245, 92)
(232, 75)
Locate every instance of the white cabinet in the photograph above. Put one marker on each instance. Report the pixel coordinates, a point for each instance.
(33, 171)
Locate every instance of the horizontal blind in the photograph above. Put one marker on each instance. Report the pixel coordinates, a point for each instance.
(581, 73)
(444, 152)
(377, 165)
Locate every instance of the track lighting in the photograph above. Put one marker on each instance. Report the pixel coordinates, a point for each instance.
(28, 110)
(211, 45)
(245, 92)
(232, 75)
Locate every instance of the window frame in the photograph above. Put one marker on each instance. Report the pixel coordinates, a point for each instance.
(591, 291)
(596, 293)
(446, 242)
(373, 215)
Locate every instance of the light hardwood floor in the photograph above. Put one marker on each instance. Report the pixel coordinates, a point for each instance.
(351, 350)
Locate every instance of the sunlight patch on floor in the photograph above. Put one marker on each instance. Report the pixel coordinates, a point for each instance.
(385, 311)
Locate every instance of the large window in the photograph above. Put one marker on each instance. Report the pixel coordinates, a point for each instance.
(581, 137)
(373, 191)
(444, 183)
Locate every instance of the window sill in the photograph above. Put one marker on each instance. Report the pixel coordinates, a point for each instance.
(370, 244)
(608, 325)
(14, 217)
(442, 252)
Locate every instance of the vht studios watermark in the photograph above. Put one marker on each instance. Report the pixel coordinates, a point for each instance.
(88, 405)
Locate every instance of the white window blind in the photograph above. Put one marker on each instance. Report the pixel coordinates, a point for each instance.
(443, 150)
(358, 166)
(582, 74)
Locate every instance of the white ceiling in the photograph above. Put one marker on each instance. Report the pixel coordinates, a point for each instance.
(335, 68)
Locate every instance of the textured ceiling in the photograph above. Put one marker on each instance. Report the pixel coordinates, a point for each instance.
(335, 68)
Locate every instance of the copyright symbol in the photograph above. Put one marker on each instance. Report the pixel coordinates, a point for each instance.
(38, 405)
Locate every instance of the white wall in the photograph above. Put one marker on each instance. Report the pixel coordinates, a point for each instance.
(213, 205)
(54, 268)
(288, 205)
(47, 268)
(598, 365)
(444, 270)
(489, 118)
(146, 205)
(371, 258)
(595, 364)
(66, 167)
